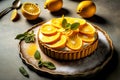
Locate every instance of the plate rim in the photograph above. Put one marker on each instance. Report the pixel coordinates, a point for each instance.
(78, 74)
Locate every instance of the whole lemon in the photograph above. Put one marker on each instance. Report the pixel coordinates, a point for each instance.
(53, 5)
(86, 9)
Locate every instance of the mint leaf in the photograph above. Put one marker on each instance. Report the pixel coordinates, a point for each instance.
(68, 26)
(40, 63)
(64, 22)
(20, 36)
(23, 71)
(27, 36)
(74, 26)
(48, 65)
(37, 55)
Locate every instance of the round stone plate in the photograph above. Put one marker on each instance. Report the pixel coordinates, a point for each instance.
(83, 67)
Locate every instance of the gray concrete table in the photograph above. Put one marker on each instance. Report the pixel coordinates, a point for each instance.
(107, 17)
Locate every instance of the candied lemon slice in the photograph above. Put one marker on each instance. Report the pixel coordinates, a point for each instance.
(30, 10)
(14, 15)
(60, 43)
(87, 29)
(73, 20)
(81, 21)
(49, 39)
(31, 49)
(57, 22)
(74, 42)
(67, 33)
(87, 38)
(48, 29)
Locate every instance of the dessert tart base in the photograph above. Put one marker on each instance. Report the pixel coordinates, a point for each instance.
(82, 67)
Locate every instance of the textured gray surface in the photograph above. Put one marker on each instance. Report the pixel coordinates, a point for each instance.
(107, 17)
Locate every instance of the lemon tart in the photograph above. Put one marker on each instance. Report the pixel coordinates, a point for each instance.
(67, 38)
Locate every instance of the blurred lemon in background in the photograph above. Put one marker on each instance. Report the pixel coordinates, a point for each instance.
(30, 10)
(14, 15)
(86, 9)
(53, 5)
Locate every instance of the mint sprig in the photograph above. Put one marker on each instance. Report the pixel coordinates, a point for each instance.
(68, 26)
(27, 36)
(41, 63)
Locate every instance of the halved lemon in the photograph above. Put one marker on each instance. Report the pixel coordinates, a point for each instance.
(60, 43)
(74, 42)
(87, 29)
(30, 10)
(49, 39)
(48, 29)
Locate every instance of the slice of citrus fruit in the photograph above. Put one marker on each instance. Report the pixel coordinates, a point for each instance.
(60, 43)
(49, 39)
(48, 29)
(87, 38)
(30, 10)
(74, 42)
(81, 21)
(87, 29)
(14, 15)
(67, 33)
(57, 22)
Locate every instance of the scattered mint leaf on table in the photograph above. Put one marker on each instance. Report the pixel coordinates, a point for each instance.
(23, 71)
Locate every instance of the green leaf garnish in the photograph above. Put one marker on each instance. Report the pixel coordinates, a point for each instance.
(23, 71)
(27, 36)
(68, 26)
(46, 64)
(64, 22)
(49, 65)
(40, 64)
(37, 55)
(74, 26)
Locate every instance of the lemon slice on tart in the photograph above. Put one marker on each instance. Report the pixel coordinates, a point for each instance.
(30, 10)
(74, 42)
(87, 29)
(48, 29)
(60, 43)
(49, 39)
(86, 38)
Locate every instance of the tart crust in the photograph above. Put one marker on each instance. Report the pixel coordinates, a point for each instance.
(69, 54)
